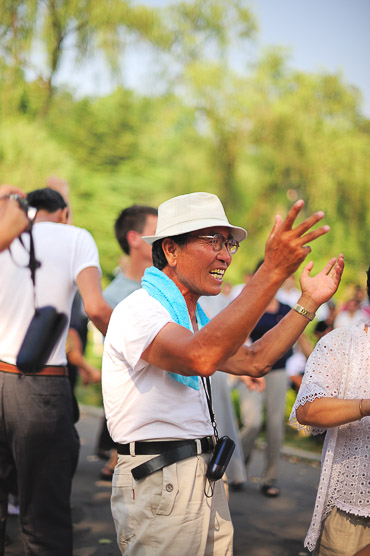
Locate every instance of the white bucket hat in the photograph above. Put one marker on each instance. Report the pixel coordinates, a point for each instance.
(187, 213)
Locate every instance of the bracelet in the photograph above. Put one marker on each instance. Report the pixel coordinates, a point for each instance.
(302, 311)
(360, 409)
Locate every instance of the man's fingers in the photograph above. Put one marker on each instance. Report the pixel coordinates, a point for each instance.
(292, 215)
(276, 226)
(307, 269)
(314, 234)
(308, 223)
(337, 270)
(330, 266)
(6, 189)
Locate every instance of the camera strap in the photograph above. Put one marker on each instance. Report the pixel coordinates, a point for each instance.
(208, 392)
(33, 263)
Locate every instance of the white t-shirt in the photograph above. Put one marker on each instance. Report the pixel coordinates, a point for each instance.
(289, 297)
(64, 251)
(143, 402)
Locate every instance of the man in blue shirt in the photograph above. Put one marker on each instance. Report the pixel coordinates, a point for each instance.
(132, 223)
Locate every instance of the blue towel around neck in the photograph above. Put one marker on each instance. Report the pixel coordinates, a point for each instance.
(164, 290)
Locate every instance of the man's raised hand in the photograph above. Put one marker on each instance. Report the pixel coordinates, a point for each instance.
(286, 247)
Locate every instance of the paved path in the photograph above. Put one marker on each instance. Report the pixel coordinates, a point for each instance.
(263, 526)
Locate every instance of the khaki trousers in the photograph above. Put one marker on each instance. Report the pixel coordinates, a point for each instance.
(167, 513)
(343, 534)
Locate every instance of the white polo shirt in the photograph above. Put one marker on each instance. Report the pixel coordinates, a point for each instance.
(143, 402)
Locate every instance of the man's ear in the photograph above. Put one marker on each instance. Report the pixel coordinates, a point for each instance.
(133, 239)
(65, 215)
(61, 216)
(170, 250)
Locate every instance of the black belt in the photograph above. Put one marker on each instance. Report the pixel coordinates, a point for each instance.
(162, 446)
(171, 451)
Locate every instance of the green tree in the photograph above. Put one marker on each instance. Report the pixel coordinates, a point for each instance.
(89, 25)
(208, 34)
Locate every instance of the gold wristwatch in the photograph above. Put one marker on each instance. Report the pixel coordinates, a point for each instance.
(302, 311)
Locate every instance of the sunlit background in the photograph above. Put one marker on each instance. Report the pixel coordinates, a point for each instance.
(260, 102)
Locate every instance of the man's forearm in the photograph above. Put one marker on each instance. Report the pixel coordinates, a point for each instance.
(227, 331)
(211, 347)
(101, 318)
(257, 359)
(13, 222)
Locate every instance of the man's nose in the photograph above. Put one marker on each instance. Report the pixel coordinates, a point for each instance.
(224, 255)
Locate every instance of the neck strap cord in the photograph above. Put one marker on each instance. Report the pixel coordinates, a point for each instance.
(33, 263)
(208, 392)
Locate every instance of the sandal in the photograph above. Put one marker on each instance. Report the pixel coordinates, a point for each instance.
(270, 491)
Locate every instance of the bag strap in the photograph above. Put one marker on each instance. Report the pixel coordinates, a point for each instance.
(33, 263)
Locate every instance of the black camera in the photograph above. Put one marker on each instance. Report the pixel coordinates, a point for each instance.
(30, 212)
(224, 449)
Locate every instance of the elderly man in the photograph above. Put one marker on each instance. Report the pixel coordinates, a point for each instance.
(158, 348)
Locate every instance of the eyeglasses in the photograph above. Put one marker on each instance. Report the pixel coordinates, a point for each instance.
(218, 241)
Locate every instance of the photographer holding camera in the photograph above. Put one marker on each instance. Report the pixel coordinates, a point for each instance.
(37, 434)
(13, 219)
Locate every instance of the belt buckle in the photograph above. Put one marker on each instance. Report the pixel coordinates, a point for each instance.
(199, 446)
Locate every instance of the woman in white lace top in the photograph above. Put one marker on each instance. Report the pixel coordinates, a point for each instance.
(335, 396)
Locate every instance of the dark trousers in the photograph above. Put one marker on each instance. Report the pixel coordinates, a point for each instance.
(105, 441)
(39, 441)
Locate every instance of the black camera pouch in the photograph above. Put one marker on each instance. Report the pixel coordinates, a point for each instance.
(223, 451)
(41, 337)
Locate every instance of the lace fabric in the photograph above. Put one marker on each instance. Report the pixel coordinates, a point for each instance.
(339, 367)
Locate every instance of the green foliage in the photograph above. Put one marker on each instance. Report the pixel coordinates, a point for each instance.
(204, 29)
(28, 154)
(312, 146)
(89, 394)
(17, 25)
(259, 140)
(101, 133)
(89, 25)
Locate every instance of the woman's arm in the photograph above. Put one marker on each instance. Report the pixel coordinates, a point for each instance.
(332, 412)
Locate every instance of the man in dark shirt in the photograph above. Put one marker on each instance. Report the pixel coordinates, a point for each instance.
(269, 392)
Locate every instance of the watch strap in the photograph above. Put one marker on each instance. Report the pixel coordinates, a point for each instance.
(304, 312)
